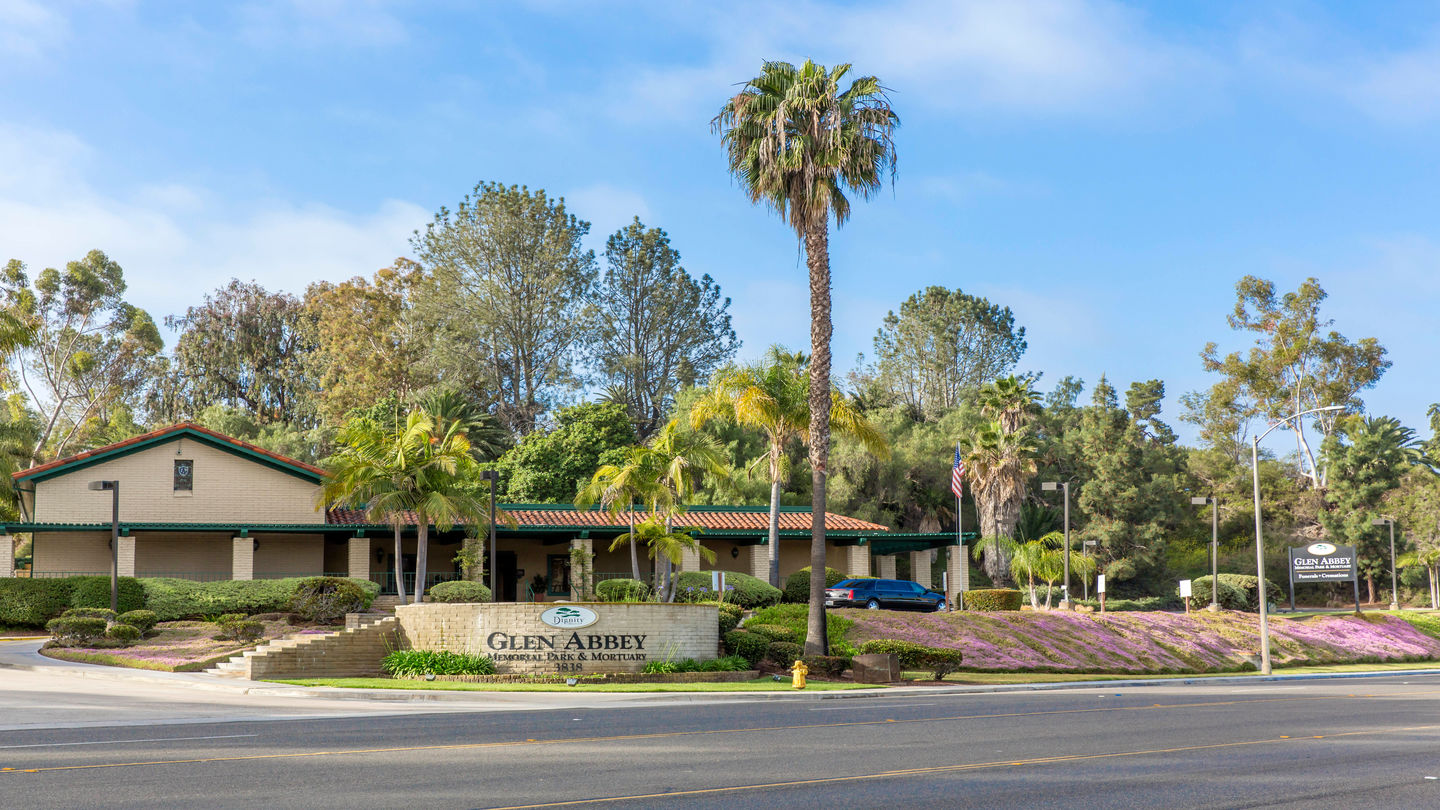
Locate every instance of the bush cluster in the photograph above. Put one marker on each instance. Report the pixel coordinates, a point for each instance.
(94, 592)
(326, 600)
(797, 586)
(125, 634)
(939, 660)
(235, 627)
(622, 590)
(142, 620)
(730, 663)
(459, 591)
(419, 663)
(1229, 596)
(826, 666)
(744, 590)
(795, 620)
(750, 646)
(784, 653)
(72, 631)
(992, 599)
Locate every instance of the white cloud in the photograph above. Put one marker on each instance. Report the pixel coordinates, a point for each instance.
(174, 241)
(28, 29)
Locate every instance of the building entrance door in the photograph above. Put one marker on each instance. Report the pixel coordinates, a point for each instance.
(506, 575)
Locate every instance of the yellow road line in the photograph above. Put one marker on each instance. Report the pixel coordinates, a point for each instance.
(940, 769)
(669, 734)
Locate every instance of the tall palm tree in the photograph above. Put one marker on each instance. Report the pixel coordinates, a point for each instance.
(796, 142)
(618, 487)
(772, 397)
(448, 407)
(999, 465)
(363, 472)
(1010, 401)
(663, 543)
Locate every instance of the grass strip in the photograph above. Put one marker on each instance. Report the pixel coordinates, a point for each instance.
(111, 660)
(757, 685)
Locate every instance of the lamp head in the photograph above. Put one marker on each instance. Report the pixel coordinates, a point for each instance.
(1380, 522)
(1049, 486)
(489, 475)
(1199, 501)
(101, 486)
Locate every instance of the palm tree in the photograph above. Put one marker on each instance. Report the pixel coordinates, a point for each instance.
(1028, 559)
(363, 473)
(999, 464)
(686, 456)
(447, 407)
(663, 543)
(617, 487)
(1429, 559)
(772, 397)
(796, 142)
(1010, 401)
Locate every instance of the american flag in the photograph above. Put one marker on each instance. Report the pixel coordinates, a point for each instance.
(957, 475)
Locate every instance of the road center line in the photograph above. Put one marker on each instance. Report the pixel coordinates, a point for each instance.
(870, 706)
(121, 742)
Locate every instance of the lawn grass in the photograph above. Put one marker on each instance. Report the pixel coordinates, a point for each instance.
(757, 685)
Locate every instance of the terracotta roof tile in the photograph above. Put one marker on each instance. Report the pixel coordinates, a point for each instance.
(717, 520)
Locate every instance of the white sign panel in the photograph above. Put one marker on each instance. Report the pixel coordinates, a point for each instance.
(569, 616)
(1185, 588)
(1099, 583)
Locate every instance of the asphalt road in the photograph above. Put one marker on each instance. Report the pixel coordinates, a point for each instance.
(1351, 743)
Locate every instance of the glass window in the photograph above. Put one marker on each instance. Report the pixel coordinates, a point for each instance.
(184, 475)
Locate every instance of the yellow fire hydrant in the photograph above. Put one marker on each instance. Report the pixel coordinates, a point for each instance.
(798, 673)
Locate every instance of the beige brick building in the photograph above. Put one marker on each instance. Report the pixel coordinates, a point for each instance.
(196, 504)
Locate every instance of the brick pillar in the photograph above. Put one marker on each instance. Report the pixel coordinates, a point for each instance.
(920, 567)
(7, 556)
(125, 556)
(854, 561)
(359, 558)
(242, 558)
(756, 561)
(586, 589)
(885, 566)
(689, 559)
(957, 570)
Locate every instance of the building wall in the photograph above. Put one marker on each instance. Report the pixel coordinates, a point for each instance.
(292, 555)
(76, 552)
(227, 488)
(167, 554)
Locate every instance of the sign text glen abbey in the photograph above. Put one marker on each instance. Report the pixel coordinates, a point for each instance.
(570, 652)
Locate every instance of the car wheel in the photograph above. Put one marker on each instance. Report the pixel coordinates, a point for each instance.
(940, 606)
(873, 604)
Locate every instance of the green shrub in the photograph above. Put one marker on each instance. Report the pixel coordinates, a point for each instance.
(730, 615)
(742, 589)
(1249, 586)
(750, 646)
(326, 600)
(783, 653)
(33, 602)
(174, 599)
(1120, 570)
(459, 591)
(797, 585)
(938, 660)
(142, 620)
(777, 632)
(1146, 603)
(90, 613)
(419, 663)
(622, 590)
(826, 666)
(1231, 597)
(235, 627)
(728, 663)
(94, 592)
(795, 618)
(76, 630)
(992, 599)
(123, 633)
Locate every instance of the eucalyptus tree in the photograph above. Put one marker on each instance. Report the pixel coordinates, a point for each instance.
(796, 141)
(774, 398)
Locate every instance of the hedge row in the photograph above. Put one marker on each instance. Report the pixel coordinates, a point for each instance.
(33, 602)
(797, 587)
(992, 599)
(938, 660)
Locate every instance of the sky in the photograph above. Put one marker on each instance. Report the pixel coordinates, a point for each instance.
(1107, 170)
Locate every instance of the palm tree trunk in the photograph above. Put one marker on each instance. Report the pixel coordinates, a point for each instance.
(422, 549)
(1434, 588)
(399, 565)
(774, 536)
(817, 256)
(634, 553)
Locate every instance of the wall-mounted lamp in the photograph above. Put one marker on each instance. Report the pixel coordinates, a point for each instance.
(734, 551)
(379, 555)
(255, 544)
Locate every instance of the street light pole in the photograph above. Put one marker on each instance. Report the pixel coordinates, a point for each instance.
(114, 487)
(1259, 542)
(1394, 581)
(1214, 548)
(1051, 486)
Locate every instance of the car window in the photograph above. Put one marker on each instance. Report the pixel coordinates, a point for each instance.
(915, 587)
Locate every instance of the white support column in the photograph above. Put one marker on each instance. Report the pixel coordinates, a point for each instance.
(885, 566)
(7, 556)
(757, 561)
(242, 558)
(358, 566)
(957, 571)
(586, 589)
(920, 566)
(855, 561)
(125, 556)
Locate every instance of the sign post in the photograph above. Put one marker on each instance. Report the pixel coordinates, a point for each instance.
(1185, 593)
(1323, 562)
(1100, 590)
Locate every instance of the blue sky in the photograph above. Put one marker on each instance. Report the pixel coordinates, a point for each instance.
(1108, 170)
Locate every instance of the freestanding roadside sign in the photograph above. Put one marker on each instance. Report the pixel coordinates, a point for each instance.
(1323, 562)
